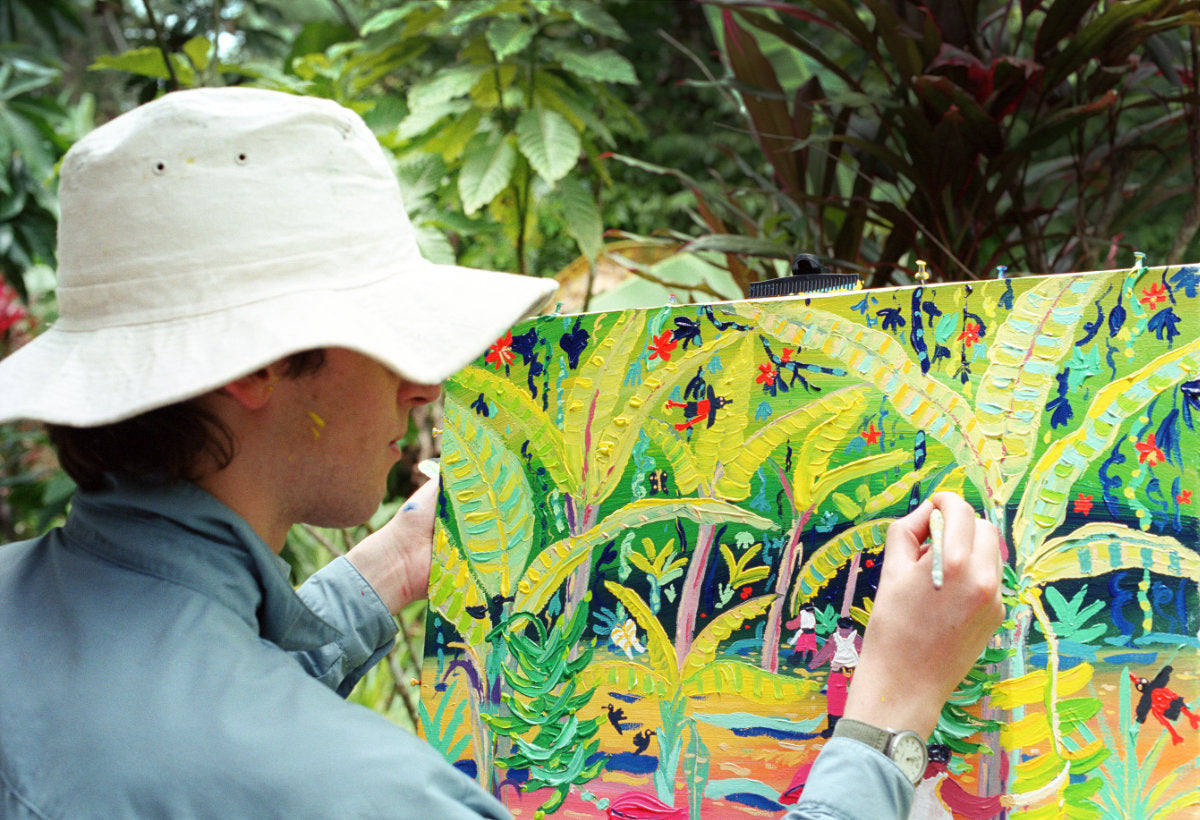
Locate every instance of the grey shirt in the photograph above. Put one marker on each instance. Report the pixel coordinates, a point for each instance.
(155, 662)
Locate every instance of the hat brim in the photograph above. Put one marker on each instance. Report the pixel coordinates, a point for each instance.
(424, 323)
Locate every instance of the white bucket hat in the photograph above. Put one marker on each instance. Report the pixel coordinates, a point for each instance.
(213, 231)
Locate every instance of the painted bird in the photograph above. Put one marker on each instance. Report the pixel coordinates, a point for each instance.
(1162, 702)
(641, 741)
(615, 716)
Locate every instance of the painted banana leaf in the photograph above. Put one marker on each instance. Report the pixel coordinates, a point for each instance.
(494, 516)
(1098, 549)
(454, 591)
(553, 566)
(823, 565)
(877, 358)
(1044, 502)
(1022, 363)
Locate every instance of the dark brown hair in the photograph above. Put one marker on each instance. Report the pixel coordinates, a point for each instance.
(164, 445)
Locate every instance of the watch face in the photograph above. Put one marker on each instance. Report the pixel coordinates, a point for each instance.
(908, 752)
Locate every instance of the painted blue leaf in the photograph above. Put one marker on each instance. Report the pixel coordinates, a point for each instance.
(764, 410)
(1109, 483)
(1187, 279)
(1191, 400)
(1116, 319)
(1092, 328)
(1164, 324)
(1167, 437)
(1006, 301)
(893, 319)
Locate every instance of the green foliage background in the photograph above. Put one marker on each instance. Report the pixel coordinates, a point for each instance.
(546, 135)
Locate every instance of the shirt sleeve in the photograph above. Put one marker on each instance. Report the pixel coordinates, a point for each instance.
(342, 598)
(852, 781)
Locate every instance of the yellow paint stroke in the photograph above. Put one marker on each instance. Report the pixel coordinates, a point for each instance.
(627, 779)
(318, 424)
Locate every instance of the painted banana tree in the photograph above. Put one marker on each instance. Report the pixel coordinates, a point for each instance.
(489, 569)
(675, 678)
(995, 441)
(602, 404)
(718, 460)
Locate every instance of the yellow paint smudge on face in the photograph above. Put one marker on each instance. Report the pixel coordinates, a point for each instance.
(318, 424)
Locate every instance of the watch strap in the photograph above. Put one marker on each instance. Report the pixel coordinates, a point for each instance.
(878, 739)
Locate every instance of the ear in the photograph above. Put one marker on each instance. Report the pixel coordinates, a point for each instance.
(254, 390)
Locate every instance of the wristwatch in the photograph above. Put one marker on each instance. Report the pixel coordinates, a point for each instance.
(906, 749)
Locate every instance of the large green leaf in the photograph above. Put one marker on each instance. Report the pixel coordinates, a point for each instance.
(549, 142)
(508, 36)
(581, 216)
(488, 164)
(602, 65)
(1047, 493)
(443, 86)
(491, 499)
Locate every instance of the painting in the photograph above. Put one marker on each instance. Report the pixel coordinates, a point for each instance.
(660, 533)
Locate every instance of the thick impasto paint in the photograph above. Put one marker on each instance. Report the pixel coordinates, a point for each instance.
(661, 531)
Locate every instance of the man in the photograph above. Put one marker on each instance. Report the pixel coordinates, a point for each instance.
(245, 322)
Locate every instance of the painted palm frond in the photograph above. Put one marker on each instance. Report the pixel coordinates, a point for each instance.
(825, 563)
(678, 454)
(1044, 503)
(526, 416)
(734, 483)
(704, 648)
(1023, 361)
(490, 496)
(1096, 549)
(750, 682)
(859, 468)
(659, 649)
(720, 443)
(610, 444)
(453, 592)
(877, 358)
(550, 569)
(817, 450)
(898, 490)
(1033, 687)
(625, 676)
(595, 390)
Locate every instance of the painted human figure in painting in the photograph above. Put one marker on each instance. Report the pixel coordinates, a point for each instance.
(841, 651)
(804, 641)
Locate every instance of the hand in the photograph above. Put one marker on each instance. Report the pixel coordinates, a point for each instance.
(395, 559)
(922, 641)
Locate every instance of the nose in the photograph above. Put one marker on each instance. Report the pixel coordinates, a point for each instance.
(415, 394)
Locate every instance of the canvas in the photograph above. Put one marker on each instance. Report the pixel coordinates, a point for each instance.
(660, 533)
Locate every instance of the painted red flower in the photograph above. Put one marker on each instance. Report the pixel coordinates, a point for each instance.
(500, 353)
(871, 434)
(745, 593)
(970, 334)
(766, 374)
(785, 355)
(1083, 504)
(1184, 497)
(661, 346)
(1153, 296)
(1149, 452)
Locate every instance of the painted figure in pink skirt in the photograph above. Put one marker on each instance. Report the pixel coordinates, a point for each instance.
(804, 641)
(841, 651)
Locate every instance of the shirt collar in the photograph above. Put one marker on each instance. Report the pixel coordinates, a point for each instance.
(184, 535)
